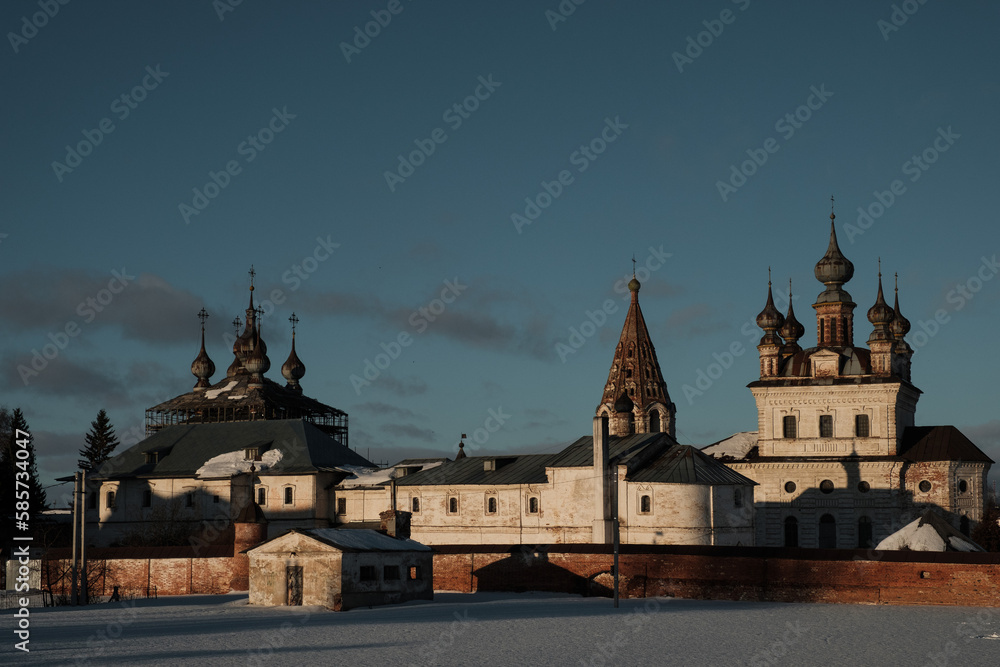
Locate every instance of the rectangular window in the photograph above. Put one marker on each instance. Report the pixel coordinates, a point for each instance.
(341, 506)
(861, 428)
(215, 498)
(367, 573)
(189, 499)
(788, 427)
(147, 498)
(826, 426)
(737, 497)
(252, 454)
(262, 496)
(414, 572)
(491, 505)
(416, 504)
(110, 500)
(289, 495)
(390, 573)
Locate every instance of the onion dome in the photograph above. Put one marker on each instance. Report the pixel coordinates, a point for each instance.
(833, 270)
(900, 326)
(257, 362)
(769, 319)
(293, 369)
(634, 285)
(792, 330)
(624, 403)
(880, 314)
(234, 368)
(202, 367)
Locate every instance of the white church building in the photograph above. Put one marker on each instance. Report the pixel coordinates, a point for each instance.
(838, 458)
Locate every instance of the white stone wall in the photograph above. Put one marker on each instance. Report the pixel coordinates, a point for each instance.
(890, 408)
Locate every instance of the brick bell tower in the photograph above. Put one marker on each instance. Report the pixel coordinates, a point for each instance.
(635, 398)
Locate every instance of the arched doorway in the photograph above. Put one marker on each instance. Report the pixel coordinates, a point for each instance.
(827, 532)
(864, 533)
(791, 531)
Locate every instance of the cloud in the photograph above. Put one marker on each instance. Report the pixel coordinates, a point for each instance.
(384, 409)
(144, 307)
(409, 431)
(694, 320)
(410, 386)
(480, 315)
(987, 438)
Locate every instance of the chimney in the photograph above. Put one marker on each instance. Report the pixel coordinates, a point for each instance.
(602, 482)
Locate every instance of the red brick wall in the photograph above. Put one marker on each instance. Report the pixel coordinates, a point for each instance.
(783, 575)
(170, 576)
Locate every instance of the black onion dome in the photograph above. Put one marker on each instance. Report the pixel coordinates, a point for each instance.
(834, 267)
(792, 329)
(293, 369)
(880, 314)
(770, 319)
(203, 367)
(900, 326)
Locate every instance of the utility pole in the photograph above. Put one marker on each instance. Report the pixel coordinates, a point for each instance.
(84, 593)
(615, 534)
(76, 512)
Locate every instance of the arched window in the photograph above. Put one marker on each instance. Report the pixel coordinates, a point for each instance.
(864, 533)
(827, 532)
(491, 505)
(533, 505)
(645, 505)
(453, 505)
(415, 504)
(289, 495)
(654, 422)
(963, 525)
(791, 531)
(110, 500)
(788, 427)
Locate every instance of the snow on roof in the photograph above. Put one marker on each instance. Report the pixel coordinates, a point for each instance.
(374, 476)
(363, 539)
(737, 445)
(214, 393)
(928, 533)
(236, 463)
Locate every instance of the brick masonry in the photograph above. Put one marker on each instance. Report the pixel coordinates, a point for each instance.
(710, 573)
(722, 573)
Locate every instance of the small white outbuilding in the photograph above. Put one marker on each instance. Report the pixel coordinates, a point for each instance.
(339, 569)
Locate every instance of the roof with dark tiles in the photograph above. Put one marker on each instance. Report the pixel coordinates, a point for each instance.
(184, 449)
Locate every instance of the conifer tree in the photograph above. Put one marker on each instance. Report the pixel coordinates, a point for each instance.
(101, 441)
(11, 464)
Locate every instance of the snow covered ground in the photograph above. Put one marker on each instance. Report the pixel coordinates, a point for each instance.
(507, 629)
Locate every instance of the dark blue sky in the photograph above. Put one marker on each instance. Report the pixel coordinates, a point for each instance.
(248, 138)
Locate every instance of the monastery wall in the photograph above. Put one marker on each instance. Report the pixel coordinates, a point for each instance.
(725, 573)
